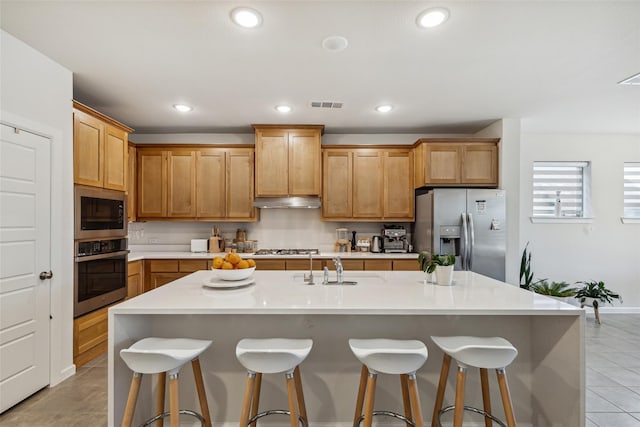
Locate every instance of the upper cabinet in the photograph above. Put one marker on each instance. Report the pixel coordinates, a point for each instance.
(100, 149)
(288, 160)
(367, 184)
(131, 185)
(195, 183)
(457, 162)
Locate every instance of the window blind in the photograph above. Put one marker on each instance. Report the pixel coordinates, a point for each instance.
(558, 180)
(632, 190)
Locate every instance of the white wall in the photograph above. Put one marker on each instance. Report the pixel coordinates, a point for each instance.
(604, 250)
(36, 95)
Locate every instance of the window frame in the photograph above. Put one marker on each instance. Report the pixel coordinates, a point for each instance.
(586, 211)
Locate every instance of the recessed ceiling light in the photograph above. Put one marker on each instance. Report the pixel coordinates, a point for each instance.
(246, 17)
(283, 108)
(633, 80)
(432, 17)
(384, 108)
(182, 108)
(335, 43)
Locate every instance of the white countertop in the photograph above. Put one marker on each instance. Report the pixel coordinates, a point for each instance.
(138, 255)
(377, 292)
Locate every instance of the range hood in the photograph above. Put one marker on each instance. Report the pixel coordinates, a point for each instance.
(287, 202)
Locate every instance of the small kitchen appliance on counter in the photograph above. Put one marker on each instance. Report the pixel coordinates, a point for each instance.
(199, 245)
(376, 244)
(342, 240)
(394, 239)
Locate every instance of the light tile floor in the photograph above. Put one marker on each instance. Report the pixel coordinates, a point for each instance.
(612, 395)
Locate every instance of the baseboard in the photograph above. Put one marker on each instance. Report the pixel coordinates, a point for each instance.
(67, 372)
(619, 310)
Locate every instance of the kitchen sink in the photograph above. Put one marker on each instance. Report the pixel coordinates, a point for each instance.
(350, 278)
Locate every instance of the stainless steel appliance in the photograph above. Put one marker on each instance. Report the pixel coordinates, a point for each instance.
(394, 239)
(99, 213)
(376, 244)
(468, 223)
(100, 274)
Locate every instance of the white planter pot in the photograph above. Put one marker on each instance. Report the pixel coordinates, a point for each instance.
(444, 275)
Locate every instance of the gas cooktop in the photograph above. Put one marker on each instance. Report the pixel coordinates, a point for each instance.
(287, 251)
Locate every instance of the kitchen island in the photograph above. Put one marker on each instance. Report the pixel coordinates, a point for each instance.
(546, 379)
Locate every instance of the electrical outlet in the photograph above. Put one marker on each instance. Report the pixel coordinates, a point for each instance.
(153, 240)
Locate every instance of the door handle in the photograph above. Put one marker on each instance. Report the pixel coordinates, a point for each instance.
(464, 252)
(46, 275)
(473, 242)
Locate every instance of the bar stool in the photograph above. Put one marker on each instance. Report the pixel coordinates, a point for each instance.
(273, 356)
(388, 356)
(165, 356)
(478, 352)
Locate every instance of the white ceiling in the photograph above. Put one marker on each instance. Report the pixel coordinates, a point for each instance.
(553, 64)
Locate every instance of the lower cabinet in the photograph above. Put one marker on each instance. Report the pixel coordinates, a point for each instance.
(90, 335)
(158, 272)
(347, 264)
(406, 265)
(134, 279)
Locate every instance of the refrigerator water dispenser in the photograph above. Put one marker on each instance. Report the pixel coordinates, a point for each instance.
(449, 239)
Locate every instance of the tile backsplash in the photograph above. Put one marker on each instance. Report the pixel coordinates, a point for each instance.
(277, 228)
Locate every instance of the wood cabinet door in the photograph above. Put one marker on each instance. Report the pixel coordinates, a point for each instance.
(479, 164)
(337, 187)
(406, 265)
(304, 162)
(115, 158)
(272, 162)
(239, 189)
(398, 185)
(211, 183)
(378, 264)
(442, 164)
(151, 183)
(134, 286)
(88, 149)
(367, 183)
(131, 184)
(181, 183)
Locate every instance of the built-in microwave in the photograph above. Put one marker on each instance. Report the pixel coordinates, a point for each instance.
(99, 213)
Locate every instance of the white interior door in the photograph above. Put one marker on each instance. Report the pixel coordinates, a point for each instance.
(25, 177)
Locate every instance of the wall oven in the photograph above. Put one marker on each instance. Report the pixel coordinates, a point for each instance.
(99, 213)
(100, 274)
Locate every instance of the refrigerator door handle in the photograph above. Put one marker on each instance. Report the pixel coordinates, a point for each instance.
(464, 251)
(473, 241)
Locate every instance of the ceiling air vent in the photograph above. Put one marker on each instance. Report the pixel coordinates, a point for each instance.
(633, 80)
(332, 105)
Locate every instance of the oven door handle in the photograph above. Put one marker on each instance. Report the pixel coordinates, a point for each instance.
(101, 256)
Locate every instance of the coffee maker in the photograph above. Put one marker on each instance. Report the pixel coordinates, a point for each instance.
(394, 239)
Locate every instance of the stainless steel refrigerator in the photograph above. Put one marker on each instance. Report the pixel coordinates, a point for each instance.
(469, 223)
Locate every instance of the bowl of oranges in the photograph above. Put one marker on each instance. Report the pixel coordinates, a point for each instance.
(233, 267)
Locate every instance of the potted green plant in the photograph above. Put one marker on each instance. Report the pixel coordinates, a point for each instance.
(442, 265)
(558, 290)
(593, 294)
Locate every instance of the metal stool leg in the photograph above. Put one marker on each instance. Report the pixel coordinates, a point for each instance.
(459, 406)
(404, 384)
(442, 385)
(202, 395)
(486, 396)
(364, 372)
(415, 401)
(132, 399)
(506, 397)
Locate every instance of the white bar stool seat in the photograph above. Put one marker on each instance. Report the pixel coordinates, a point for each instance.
(273, 356)
(388, 356)
(477, 352)
(165, 356)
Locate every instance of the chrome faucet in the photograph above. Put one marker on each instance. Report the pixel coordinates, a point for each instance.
(339, 270)
(309, 278)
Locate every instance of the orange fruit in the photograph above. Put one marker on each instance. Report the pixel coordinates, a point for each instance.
(217, 262)
(227, 257)
(243, 264)
(235, 259)
(227, 266)
(251, 263)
